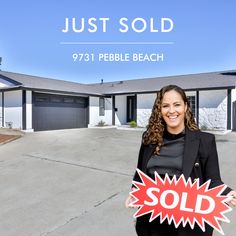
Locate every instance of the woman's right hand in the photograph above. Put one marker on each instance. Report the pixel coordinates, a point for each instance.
(232, 194)
(129, 200)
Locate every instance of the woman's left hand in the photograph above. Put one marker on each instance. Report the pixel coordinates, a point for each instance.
(232, 194)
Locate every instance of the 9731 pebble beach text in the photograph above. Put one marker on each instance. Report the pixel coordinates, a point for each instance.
(118, 57)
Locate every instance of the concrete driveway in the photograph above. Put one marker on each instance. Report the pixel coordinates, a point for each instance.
(75, 182)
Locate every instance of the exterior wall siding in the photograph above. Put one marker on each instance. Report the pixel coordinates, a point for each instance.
(233, 113)
(121, 113)
(233, 95)
(13, 109)
(1, 115)
(213, 109)
(144, 108)
(94, 117)
(108, 111)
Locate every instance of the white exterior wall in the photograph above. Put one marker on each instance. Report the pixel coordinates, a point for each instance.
(28, 110)
(213, 109)
(13, 108)
(233, 99)
(108, 111)
(233, 95)
(121, 113)
(1, 109)
(3, 84)
(94, 117)
(144, 108)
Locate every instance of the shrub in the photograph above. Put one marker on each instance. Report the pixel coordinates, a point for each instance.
(101, 123)
(133, 124)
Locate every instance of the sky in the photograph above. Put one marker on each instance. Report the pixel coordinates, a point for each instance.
(202, 39)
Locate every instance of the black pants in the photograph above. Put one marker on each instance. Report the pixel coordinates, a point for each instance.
(158, 232)
(162, 234)
(155, 228)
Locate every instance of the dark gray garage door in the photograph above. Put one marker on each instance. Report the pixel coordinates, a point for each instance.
(51, 112)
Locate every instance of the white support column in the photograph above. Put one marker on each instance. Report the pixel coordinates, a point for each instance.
(29, 127)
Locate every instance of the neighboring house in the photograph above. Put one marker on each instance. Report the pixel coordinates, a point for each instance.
(35, 103)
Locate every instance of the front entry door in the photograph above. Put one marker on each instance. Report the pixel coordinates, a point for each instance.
(131, 108)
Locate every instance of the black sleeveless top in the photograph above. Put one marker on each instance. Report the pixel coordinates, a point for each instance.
(170, 160)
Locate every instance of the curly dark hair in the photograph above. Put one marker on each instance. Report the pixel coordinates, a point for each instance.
(157, 125)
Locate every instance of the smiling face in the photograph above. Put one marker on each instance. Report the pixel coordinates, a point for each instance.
(173, 110)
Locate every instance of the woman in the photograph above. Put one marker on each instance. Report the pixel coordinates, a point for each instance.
(173, 144)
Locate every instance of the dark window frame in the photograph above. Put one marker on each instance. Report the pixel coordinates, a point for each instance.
(193, 105)
(101, 106)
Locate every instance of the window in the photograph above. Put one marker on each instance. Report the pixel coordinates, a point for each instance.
(80, 100)
(56, 99)
(68, 100)
(101, 106)
(192, 102)
(41, 99)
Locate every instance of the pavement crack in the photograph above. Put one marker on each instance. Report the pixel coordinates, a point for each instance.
(83, 213)
(107, 199)
(79, 165)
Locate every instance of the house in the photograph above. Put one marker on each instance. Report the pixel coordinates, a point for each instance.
(35, 103)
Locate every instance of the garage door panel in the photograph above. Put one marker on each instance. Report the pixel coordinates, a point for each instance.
(52, 112)
(60, 105)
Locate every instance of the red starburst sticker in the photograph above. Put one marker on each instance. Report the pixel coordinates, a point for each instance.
(180, 201)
